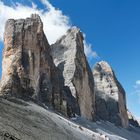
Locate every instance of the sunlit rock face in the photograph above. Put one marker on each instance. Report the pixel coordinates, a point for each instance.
(59, 75)
(110, 100)
(69, 57)
(28, 70)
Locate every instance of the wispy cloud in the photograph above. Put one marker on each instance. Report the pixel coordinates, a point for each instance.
(138, 82)
(137, 89)
(89, 51)
(55, 22)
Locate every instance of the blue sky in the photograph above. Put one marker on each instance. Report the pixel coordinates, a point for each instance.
(112, 27)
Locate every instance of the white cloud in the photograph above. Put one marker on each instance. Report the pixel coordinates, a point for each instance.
(55, 22)
(137, 89)
(138, 82)
(89, 52)
(48, 5)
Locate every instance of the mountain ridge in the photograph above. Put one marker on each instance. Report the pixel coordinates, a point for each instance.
(59, 77)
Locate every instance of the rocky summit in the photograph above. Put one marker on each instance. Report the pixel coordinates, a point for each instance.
(69, 57)
(110, 96)
(28, 70)
(49, 92)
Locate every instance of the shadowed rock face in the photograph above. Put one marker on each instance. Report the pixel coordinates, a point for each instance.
(132, 120)
(69, 57)
(109, 95)
(28, 70)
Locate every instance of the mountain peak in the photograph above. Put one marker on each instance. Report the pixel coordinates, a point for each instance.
(110, 97)
(58, 76)
(103, 67)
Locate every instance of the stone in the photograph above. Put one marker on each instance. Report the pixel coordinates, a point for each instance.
(110, 100)
(132, 120)
(20, 120)
(69, 57)
(28, 71)
(138, 121)
(28, 121)
(59, 75)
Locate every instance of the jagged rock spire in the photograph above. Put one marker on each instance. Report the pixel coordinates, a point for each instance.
(59, 75)
(110, 97)
(69, 57)
(28, 70)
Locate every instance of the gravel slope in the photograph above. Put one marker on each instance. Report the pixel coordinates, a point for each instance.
(20, 120)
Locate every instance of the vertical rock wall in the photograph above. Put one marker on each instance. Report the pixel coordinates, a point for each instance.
(110, 97)
(28, 70)
(59, 76)
(69, 57)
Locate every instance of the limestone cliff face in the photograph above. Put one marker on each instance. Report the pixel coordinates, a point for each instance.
(59, 75)
(109, 95)
(69, 57)
(28, 70)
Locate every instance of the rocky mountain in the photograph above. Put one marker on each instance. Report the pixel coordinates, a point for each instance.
(28, 70)
(49, 91)
(110, 96)
(69, 57)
